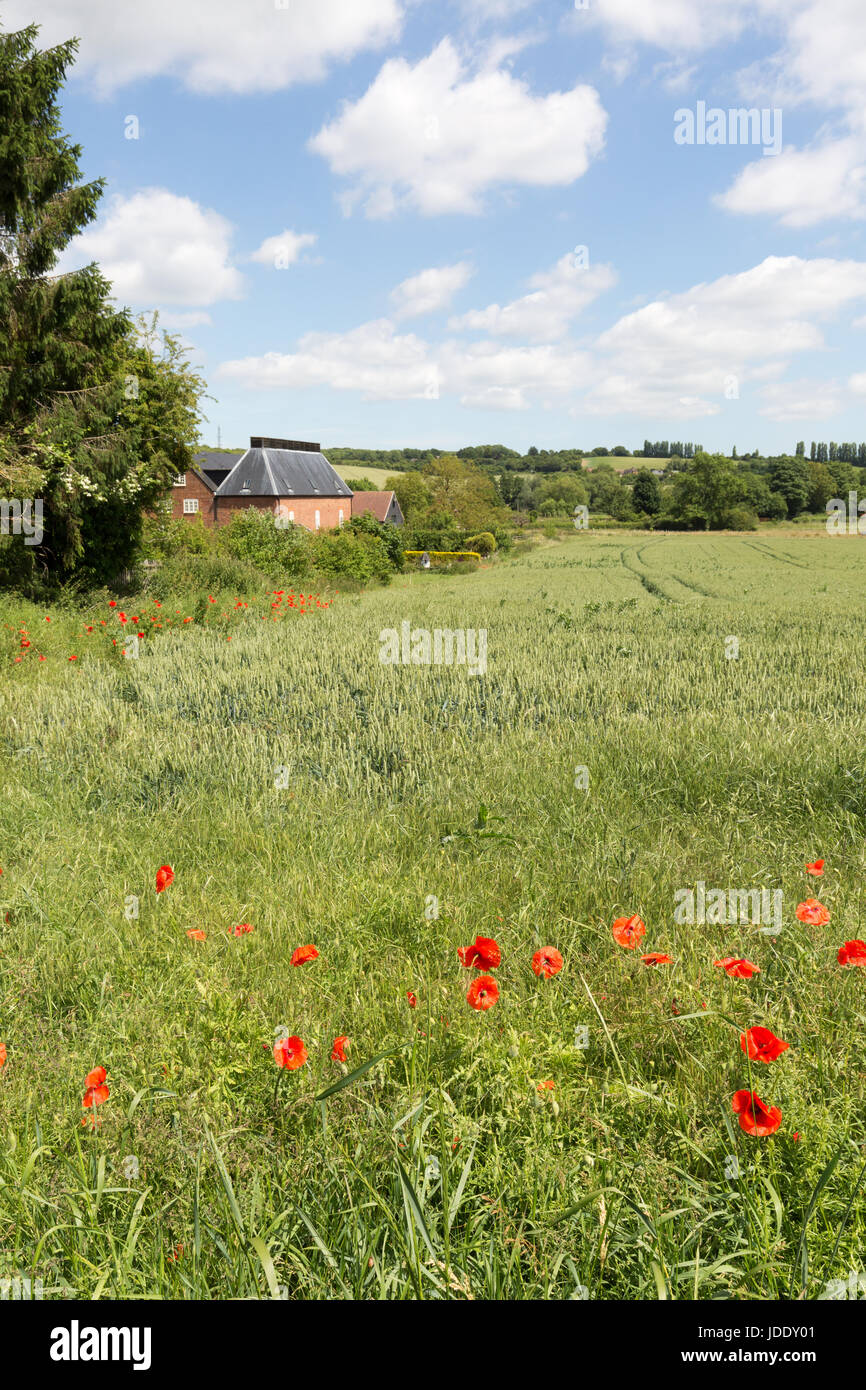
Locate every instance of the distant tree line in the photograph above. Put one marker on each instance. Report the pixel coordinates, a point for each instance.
(829, 453)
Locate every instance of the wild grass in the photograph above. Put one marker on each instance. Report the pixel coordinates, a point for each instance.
(296, 783)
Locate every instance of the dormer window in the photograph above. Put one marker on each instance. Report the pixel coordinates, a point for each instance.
(246, 486)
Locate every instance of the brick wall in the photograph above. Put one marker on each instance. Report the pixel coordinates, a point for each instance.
(301, 510)
(203, 495)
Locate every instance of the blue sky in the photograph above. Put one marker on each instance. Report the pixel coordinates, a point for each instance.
(443, 222)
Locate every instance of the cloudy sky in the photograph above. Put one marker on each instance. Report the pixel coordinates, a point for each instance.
(441, 222)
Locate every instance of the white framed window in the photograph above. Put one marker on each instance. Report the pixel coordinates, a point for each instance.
(341, 517)
(318, 520)
(180, 480)
(291, 516)
(190, 506)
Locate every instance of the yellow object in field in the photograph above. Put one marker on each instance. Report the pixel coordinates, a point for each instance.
(444, 554)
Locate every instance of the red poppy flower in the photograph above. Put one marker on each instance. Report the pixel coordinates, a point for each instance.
(656, 958)
(164, 877)
(815, 869)
(243, 929)
(2, 1054)
(546, 1085)
(302, 953)
(96, 1092)
(338, 1051)
(852, 953)
(813, 912)
(290, 1053)
(737, 968)
(755, 1117)
(762, 1045)
(197, 934)
(546, 962)
(483, 993)
(484, 955)
(412, 1000)
(628, 931)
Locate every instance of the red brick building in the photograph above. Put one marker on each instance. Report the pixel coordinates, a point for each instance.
(287, 477)
(383, 505)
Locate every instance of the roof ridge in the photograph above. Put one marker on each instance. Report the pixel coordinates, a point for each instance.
(270, 471)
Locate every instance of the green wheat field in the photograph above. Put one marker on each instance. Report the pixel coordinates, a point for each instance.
(613, 753)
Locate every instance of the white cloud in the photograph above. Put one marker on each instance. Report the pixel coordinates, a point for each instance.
(757, 312)
(284, 249)
(429, 290)
(821, 57)
(510, 378)
(158, 248)
(823, 54)
(496, 398)
(681, 356)
(676, 358)
(373, 359)
(210, 45)
(436, 137)
(559, 295)
(801, 400)
(495, 9)
(193, 318)
(384, 364)
(619, 65)
(857, 383)
(677, 25)
(803, 187)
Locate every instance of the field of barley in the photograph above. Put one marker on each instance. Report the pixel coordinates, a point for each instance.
(655, 712)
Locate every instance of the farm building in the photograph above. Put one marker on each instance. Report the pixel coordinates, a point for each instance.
(288, 477)
(383, 505)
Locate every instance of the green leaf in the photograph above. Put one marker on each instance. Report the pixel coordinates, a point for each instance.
(358, 1072)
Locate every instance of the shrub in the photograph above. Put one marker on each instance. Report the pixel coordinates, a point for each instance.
(277, 550)
(392, 537)
(353, 554)
(361, 485)
(163, 536)
(484, 543)
(203, 575)
(17, 564)
(741, 519)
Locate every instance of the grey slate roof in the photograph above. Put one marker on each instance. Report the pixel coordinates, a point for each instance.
(212, 459)
(283, 473)
(213, 466)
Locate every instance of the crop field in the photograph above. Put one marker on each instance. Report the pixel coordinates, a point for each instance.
(379, 476)
(653, 713)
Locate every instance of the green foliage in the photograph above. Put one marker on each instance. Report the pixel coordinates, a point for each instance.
(197, 574)
(361, 485)
(391, 537)
(412, 493)
(277, 550)
(708, 491)
(484, 543)
(353, 553)
(791, 478)
(94, 417)
(463, 492)
(646, 494)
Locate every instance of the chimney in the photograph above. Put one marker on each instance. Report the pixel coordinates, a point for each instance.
(300, 445)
